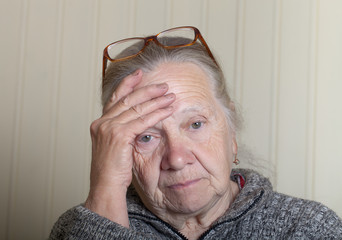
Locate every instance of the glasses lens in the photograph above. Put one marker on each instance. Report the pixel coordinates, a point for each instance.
(177, 37)
(125, 48)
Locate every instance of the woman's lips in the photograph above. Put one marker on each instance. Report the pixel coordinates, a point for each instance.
(184, 185)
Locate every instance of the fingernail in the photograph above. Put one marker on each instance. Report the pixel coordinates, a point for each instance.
(170, 96)
(112, 99)
(136, 73)
(162, 86)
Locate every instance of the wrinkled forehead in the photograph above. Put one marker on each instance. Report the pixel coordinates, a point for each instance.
(180, 77)
(191, 85)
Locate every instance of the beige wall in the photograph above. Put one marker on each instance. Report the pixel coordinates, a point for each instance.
(282, 59)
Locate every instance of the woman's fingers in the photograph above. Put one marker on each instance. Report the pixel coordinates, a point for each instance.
(139, 96)
(126, 87)
(126, 98)
(137, 119)
(139, 110)
(142, 123)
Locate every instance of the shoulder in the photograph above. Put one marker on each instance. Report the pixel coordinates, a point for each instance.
(280, 215)
(81, 223)
(303, 218)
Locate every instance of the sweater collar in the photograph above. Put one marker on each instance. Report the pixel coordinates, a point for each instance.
(254, 193)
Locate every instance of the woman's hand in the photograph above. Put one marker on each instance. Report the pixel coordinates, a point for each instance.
(129, 112)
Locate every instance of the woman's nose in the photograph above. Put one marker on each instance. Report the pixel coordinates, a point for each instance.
(178, 155)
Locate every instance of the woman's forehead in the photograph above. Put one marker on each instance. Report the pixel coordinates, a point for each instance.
(179, 77)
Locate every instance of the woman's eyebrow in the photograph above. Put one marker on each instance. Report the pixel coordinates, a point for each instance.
(198, 108)
(191, 109)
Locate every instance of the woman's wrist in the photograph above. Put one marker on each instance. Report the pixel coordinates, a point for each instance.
(109, 203)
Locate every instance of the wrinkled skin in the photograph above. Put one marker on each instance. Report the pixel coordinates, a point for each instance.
(179, 147)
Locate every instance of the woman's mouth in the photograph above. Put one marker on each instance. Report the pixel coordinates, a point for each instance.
(184, 184)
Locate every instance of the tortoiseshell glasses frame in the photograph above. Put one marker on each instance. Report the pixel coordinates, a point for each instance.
(178, 31)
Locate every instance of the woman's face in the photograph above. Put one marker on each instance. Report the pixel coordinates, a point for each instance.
(182, 165)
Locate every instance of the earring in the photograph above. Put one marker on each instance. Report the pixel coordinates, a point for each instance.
(236, 161)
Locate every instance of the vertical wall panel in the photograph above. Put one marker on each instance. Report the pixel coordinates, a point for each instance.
(73, 139)
(329, 111)
(255, 78)
(33, 151)
(93, 83)
(114, 21)
(293, 96)
(311, 106)
(54, 82)
(148, 20)
(113, 24)
(273, 138)
(223, 37)
(239, 49)
(187, 13)
(10, 12)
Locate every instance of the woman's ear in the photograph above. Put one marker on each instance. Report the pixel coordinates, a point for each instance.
(234, 145)
(232, 106)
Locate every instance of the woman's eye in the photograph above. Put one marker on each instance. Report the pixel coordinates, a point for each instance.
(146, 138)
(196, 125)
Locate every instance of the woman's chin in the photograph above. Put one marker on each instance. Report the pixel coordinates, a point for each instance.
(189, 202)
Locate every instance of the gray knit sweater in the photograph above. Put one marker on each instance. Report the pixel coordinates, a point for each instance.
(257, 213)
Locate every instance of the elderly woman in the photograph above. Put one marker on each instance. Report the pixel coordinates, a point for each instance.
(163, 152)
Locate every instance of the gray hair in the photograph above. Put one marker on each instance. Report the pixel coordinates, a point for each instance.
(155, 55)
